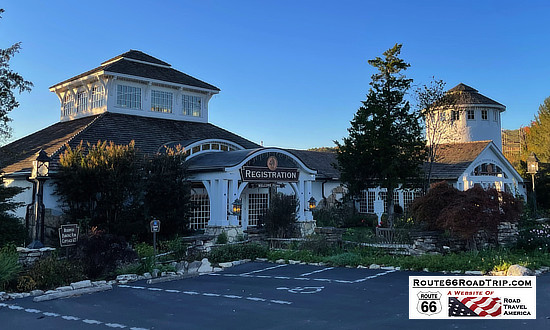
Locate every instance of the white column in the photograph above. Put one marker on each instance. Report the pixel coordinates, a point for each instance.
(233, 195)
(307, 196)
(300, 196)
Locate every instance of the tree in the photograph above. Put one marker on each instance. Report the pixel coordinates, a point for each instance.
(9, 81)
(463, 214)
(102, 184)
(12, 229)
(167, 191)
(280, 218)
(538, 135)
(440, 124)
(385, 145)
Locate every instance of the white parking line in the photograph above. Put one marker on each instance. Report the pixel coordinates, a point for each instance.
(207, 294)
(317, 271)
(307, 278)
(67, 317)
(262, 270)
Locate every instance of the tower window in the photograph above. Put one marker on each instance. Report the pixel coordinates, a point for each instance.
(471, 115)
(484, 115)
(495, 115)
(455, 115)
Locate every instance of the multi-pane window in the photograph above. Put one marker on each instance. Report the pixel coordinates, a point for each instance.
(455, 115)
(81, 101)
(408, 198)
(383, 196)
(363, 208)
(128, 97)
(484, 115)
(161, 101)
(200, 212)
(471, 114)
(68, 104)
(192, 105)
(98, 96)
(257, 205)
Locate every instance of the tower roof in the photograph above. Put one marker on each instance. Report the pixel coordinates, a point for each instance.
(138, 64)
(466, 95)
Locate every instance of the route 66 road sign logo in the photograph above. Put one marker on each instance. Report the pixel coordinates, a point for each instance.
(429, 303)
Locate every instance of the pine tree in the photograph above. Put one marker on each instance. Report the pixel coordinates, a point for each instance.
(538, 135)
(385, 146)
(9, 81)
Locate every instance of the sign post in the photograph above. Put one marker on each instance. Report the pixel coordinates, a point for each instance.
(155, 228)
(68, 236)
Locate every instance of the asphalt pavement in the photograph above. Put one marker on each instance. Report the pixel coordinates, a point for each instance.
(255, 295)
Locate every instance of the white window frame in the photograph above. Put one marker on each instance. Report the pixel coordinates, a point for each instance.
(192, 105)
(68, 104)
(471, 115)
(98, 96)
(200, 212)
(495, 115)
(81, 101)
(128, 97)
(455, 115)
(161, 101)
(484, 114)
(257, 205)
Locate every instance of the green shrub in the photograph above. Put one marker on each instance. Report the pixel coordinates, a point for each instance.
(318, 245)
(50, 272)
(176, 246)
(534, 236)
(9, 265)
(345, 259)
(234, 252)
(102, 253)
(343, 215)
(280, 218)
(222, 238)
(11, 230)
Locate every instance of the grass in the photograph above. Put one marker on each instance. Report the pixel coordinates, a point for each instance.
(485, 261)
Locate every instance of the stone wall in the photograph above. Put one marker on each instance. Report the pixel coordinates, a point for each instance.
(27, 257)
(435, 242)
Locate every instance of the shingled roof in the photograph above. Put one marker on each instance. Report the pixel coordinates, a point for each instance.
(466, 95)
(149, 134)
(147, 67)
(454, 158)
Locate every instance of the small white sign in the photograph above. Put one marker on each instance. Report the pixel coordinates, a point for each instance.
(472, 297)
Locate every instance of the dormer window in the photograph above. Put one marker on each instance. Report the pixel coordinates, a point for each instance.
(192, 105)
(161, 101)
(81, 101)
(68, 104)
(98, 96)
(128, 97)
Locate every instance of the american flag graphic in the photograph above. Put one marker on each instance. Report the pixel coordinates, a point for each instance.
(474, 306)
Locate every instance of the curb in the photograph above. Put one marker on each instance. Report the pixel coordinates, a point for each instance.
(76, 292)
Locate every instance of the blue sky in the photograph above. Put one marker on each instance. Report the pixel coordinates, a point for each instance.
(291, 73)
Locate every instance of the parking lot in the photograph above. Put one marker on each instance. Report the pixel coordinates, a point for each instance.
(254, 295)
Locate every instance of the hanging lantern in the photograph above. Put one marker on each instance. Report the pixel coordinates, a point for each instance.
(312, 203)
(237, 206)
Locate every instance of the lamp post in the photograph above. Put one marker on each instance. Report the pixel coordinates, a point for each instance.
(39, 175)
(237, 207)
(312, 203)
(533, 168)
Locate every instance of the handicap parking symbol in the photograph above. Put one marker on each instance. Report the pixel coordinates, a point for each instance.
(303, 289)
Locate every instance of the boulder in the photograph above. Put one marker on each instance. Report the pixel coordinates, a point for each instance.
(517, 270)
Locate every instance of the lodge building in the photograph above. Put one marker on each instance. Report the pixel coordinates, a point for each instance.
(137, 97)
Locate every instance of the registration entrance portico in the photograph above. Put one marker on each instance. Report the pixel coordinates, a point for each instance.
(251, 175)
